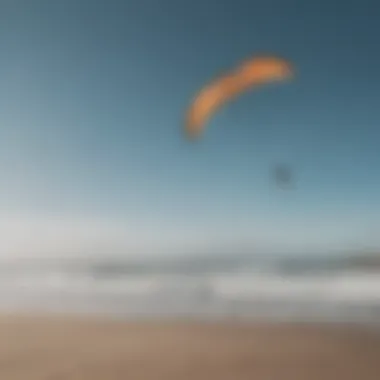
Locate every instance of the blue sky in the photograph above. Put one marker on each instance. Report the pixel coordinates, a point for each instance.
(93, 95)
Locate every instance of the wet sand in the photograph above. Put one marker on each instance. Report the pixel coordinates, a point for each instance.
(58, 348)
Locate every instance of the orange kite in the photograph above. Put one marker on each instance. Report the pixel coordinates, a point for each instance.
(249, 74)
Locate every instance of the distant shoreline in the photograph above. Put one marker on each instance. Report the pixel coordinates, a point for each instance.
(105, 266)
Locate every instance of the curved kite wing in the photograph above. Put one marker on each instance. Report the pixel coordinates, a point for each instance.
(249, 74)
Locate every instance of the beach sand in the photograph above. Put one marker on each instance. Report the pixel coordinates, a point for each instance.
(58, 348)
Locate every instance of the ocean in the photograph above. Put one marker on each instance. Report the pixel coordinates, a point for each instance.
(217, 287)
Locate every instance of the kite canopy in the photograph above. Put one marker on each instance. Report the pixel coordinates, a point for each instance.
(249, 74)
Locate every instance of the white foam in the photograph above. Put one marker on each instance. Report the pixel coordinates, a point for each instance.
(335, 296)
(339, 287)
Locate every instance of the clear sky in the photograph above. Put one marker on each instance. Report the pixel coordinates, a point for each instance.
(92, 155)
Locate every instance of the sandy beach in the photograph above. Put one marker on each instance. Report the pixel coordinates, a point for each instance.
(76, 348)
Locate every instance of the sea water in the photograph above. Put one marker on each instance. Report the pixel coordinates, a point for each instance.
(339, 295)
